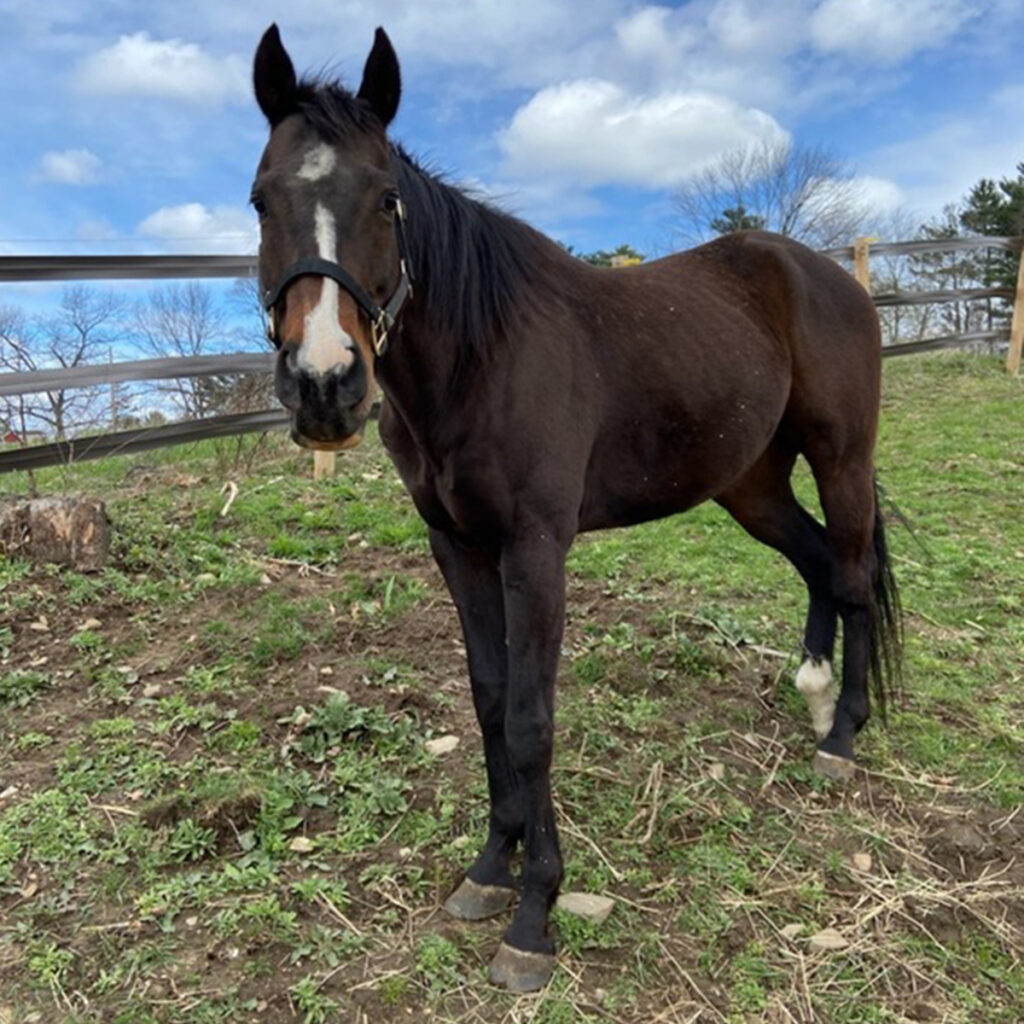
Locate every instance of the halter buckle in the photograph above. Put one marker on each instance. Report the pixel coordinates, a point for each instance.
(379, 330)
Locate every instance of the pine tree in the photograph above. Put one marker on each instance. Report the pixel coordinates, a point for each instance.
(622, 256)
(997, 209)
(736, 218)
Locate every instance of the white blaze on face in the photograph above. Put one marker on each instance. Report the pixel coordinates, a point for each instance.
(815, 682)
(318, 164)
(325, 344)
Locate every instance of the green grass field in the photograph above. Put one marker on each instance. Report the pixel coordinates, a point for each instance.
(217, 802)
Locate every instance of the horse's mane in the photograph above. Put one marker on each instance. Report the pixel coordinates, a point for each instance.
(473, 265)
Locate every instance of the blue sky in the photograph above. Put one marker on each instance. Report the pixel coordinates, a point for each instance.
(128, 127)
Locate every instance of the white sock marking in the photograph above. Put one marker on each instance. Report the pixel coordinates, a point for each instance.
(325, 345)
(319, 162)
(815, 682)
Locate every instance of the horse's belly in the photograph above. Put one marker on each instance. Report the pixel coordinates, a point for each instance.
(669, 461)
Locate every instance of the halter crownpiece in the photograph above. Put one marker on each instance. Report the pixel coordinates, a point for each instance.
(382, 318)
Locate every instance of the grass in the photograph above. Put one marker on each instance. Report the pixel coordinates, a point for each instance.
(216, 801)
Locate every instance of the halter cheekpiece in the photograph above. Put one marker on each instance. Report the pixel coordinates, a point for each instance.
(382, 318)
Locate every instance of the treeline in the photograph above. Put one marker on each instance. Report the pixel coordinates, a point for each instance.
(92, 326)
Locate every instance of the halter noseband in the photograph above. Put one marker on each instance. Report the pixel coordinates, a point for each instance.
(382, 318)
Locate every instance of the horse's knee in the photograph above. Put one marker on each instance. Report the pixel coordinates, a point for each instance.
(489, 702)
(529, 739)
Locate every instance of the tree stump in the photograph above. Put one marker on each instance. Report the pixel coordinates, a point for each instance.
(66, 531)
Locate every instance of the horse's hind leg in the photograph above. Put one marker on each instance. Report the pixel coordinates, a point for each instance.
(848, 501)
(763, 503)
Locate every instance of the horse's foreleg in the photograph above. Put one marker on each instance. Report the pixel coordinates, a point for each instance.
(474, 581)
(533, 577)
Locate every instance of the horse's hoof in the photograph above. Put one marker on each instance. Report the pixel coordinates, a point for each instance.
(475, 902)
(521, 971)
(839, 768)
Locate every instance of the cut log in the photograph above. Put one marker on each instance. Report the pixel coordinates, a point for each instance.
(65, 531)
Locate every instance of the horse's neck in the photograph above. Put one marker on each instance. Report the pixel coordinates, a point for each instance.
(417, 374)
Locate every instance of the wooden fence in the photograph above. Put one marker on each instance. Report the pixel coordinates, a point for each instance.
(79, 268)
(860, 255)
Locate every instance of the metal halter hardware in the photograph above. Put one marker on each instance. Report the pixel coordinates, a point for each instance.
(382, 318)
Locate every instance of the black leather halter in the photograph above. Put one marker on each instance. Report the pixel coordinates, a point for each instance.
(382, 318)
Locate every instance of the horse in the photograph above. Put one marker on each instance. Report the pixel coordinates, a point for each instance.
(529, 396)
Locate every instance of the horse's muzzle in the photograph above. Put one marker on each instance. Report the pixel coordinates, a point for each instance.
(329, 410)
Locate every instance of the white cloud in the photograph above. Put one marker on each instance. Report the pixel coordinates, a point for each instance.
(69, 167)
(879, 195)
(646, 33)
(883, 30)
(740, 26)
(191, 227)
(137, 65)
(943, 163)
(598, 133)
(879, 201)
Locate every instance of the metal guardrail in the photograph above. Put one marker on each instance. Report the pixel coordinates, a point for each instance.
(121, 268)
(29, 382)
(141, 439)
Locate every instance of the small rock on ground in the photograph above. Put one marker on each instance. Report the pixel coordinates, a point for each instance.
(442, 745)
(582, 904)
(827, 941)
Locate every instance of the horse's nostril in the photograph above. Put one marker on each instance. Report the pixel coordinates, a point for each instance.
(286, 379)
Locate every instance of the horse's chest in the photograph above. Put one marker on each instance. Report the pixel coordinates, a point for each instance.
(421, 481)
(424, 478)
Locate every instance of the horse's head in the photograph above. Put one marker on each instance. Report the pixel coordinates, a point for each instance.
(332, 273)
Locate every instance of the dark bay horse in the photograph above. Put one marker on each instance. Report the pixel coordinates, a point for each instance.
(530, 396)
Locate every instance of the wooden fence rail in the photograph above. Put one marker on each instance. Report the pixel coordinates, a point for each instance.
(860, 253)
(70, 268)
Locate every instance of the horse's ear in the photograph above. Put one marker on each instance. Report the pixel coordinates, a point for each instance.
(273, 76)
(382, 81)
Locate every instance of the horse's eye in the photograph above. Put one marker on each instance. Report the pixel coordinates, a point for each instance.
(390, 202)
(258, 205)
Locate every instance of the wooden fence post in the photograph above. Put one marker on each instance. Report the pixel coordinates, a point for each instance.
(324, 464)
(1017, 324)
(861, 268)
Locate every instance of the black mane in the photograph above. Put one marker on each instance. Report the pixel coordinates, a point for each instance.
(471, 263)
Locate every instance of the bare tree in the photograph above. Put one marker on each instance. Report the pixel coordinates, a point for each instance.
(894, 272)
(249, 392)
(84, 329)
(178, 321)
(15, 344)
(804, 192)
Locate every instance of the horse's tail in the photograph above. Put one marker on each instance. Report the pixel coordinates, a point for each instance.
(886, 620)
